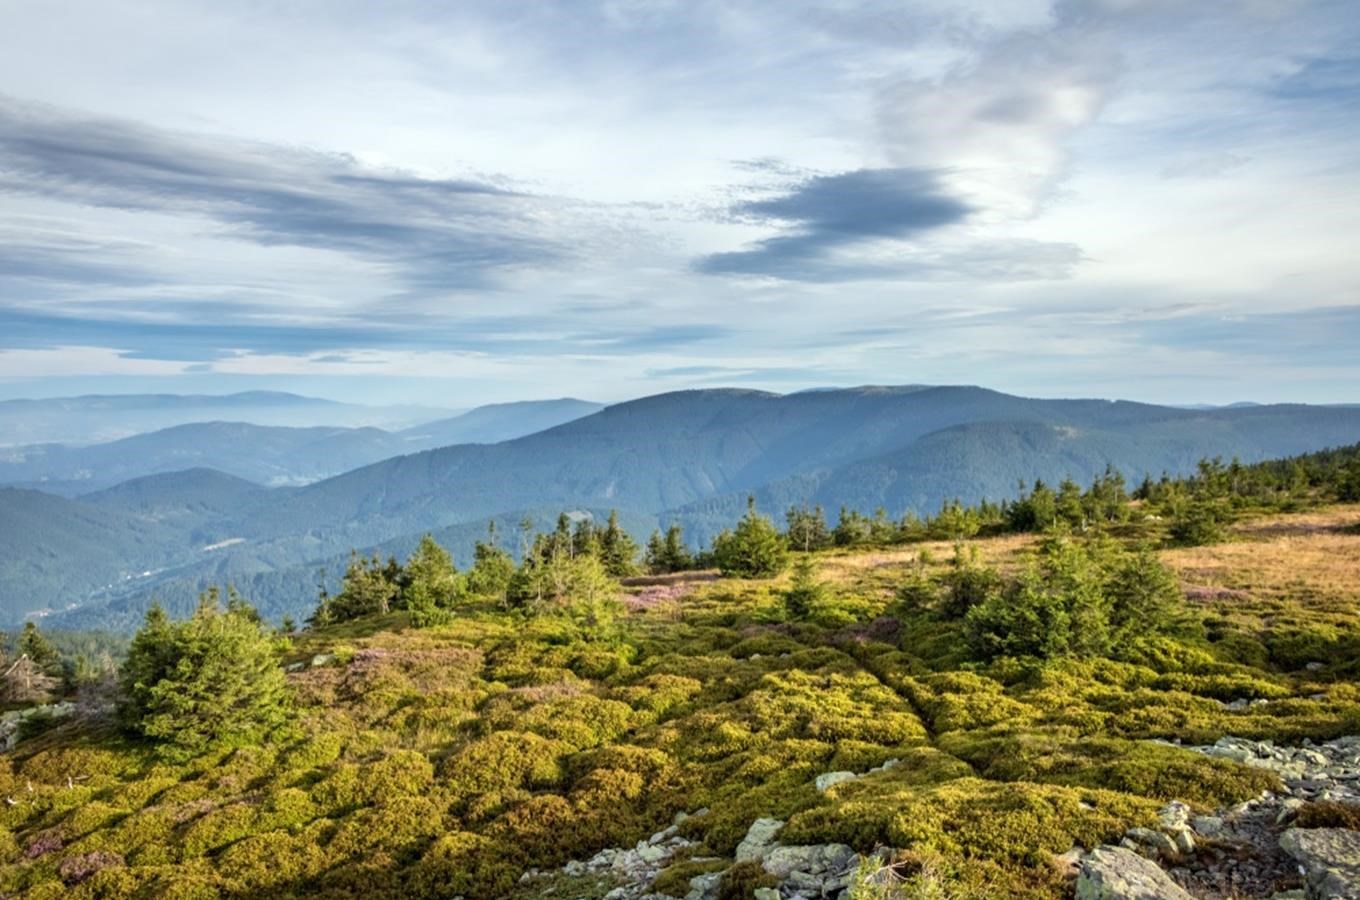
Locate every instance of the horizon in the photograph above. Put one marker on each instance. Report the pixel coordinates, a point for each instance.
(460, 409)
(458, 206)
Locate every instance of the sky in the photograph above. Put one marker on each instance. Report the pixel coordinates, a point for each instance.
(452, 204)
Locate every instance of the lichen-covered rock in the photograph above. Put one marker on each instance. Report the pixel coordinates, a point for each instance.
(1113, 873)
(828, 780)
(759, 840)
(1329, 858)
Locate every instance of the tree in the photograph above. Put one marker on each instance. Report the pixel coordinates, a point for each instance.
(968, 583)
(430, 584)
(668, 554)
(617, 551)
(755, 549)
(211, 680)
(492, 569)
(38, 648)
(805, 592)
(807, 529)
(368, 587)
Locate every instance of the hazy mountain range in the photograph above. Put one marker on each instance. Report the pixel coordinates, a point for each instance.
(268, 454)
(690, 457)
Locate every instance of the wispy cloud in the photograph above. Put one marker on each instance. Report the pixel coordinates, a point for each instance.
(449, 233)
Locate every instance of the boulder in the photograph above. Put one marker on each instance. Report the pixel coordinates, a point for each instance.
(816, 859)
(1329, 858)
(1112, 873)
(759, 840)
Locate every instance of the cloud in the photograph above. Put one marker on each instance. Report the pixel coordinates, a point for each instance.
(1002, 118)
(434, 233)
(828, 212)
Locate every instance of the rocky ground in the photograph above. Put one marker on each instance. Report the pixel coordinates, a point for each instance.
(1256, 849)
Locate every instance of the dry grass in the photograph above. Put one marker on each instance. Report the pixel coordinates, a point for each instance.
(1298, 570)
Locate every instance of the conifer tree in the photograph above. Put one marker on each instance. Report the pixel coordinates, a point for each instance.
(210, 680)
(617, 551)
(755, 549)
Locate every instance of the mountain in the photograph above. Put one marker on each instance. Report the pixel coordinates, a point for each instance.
(55, 551)
(261, 453)
(106, 417)
(267, 454)
(693, 456)
(498, 422)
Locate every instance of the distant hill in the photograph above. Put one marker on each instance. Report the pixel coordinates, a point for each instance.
(105, 417)
(266, 454)
(693, 456)
(498, 422)
(55, 551)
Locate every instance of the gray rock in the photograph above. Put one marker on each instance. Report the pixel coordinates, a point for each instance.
(815, 859)
(759, 840)
(1208, 826)
(1155, 841)
(704, 887)
(829, 780)
(1329, 859)
(765, 893)
(1111, 873)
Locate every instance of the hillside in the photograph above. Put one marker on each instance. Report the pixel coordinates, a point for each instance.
(692, 457)
(52, 548)
(516, 755)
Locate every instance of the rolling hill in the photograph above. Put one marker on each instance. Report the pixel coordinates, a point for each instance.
(267, 454)
(693, 457)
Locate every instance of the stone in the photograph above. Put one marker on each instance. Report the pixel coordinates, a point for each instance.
(766, 893)
(650, 853)
(814, 859)
(1329, 859)
(829, 780)
(759, 840)
(1174, 816)
(1159, 843)
(704, 887)
(1111, 873)
(1208, 826)
(321, 659)
(1184, 841)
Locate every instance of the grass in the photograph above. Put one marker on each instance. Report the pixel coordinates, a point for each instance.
(450, 760)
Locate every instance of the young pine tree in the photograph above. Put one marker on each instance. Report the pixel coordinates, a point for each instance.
(211, 680)
(755, 549)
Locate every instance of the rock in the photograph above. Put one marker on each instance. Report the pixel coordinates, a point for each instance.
(766, 893)
(1110, 873)
(1155, 841)
(1069, 864)
(704, 887)
(650, 853)
(574, 868)
(321, 659)
(759, 840)
(663, 835)
(1174, 816)
(1329, 859)
(816, 859)
(830, 779)
(1184, 841)
(1208, 826)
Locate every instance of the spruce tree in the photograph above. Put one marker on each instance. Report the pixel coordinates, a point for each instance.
(755, 549)
(213, 679)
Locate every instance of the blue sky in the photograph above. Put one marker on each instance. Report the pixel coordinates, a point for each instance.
(474, 202)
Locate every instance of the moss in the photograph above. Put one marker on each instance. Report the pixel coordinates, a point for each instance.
(462, 863)
(1328, 814)
(1134, 767)
(674, 879)
(741, 881)
(503, 761)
